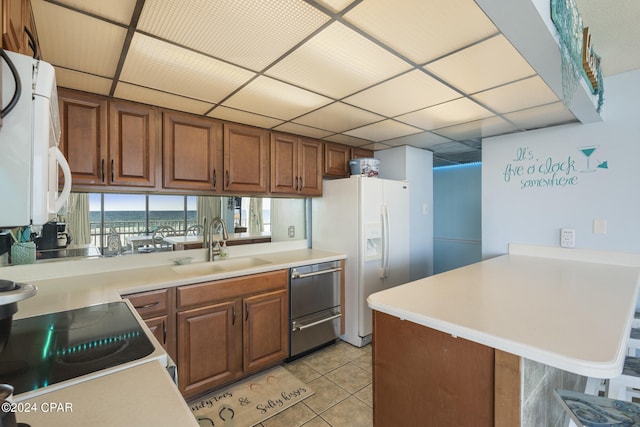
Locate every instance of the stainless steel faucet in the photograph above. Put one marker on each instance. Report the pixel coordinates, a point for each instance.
(225, 236)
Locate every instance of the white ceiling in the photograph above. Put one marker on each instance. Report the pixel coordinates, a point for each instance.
(432, 74)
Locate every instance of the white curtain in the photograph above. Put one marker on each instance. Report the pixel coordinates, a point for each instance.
(256, 224)
(208, 207)
(78, 219)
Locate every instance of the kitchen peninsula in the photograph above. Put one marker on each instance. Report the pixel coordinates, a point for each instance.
(486, 344)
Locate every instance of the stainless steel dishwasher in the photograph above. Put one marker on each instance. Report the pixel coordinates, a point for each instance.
(314, 306)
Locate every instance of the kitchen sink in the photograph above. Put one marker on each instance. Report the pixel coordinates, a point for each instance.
(219, 266)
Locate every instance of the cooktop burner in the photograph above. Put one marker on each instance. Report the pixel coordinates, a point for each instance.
(44, 350)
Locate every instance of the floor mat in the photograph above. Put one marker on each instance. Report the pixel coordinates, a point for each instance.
(250, 401)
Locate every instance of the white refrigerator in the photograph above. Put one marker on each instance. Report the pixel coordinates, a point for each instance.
(368, 220)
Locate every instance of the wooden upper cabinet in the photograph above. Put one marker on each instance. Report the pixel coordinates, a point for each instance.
(296, 165)
(83, 140)
(336, 160)
(18, 27)
(133, 144)
(192, 152)
(246, 159)
(361, 153)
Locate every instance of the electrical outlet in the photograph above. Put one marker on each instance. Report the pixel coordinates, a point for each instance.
(568, 238)
(292, 231)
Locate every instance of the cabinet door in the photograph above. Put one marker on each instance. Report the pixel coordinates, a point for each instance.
(284, 163)
(158, 327)
(192, 152)
(336, 160)
(83, 126)
(246, 159)
(133, 144)
(265, 331)
(361, 153)
(12, 24)
(209, 340)
(310, 167)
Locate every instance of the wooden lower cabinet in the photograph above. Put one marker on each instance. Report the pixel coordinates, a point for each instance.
(229, 328)
(208, 347)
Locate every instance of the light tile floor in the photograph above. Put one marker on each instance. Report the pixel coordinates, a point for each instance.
(340, 375)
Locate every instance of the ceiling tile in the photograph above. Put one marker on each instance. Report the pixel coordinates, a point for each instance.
(161, 99)
(82, 81)
(115, 10)
(335, 6)
(477, 129)
(337, 62)
(458, 111)
(275, 99)
(523, 94)
(338, 117)
(420, 91)
(491, 63)
(341, 138)
(545, 115)
(381, 131)
(166, 67)
(238, 116)
(420, 140)
(302, 130)
(251, 33)
(72, 40)
(422, 30)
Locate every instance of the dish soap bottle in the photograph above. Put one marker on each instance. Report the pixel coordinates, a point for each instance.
(224, 251)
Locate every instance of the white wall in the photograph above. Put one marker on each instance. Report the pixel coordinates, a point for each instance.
(512, 211)
(414, 165)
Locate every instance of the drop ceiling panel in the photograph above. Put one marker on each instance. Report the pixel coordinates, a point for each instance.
(114, 10)
(545, 115)
(166, 67)
(420, 140)
(275, 99)
(422, 30)
(381, 131)
(161, 99)
(335, 6)
(490, 63)
(419, 91)
(477, 129)
(338, 117)
(72, 40)
(337, 62)
(516, 96)
(239, 116)
(251, 33)
(302, 130)
(349, 140)
(82, 81)
(458, 111)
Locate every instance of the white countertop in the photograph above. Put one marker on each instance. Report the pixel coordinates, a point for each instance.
(141, 396)
(573, 313)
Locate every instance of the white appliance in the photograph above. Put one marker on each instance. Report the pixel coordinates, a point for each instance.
(368, 220)
(29, 137)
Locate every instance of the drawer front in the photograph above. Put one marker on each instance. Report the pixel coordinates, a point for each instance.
(150, 304)
(314, 330)
(220, 290)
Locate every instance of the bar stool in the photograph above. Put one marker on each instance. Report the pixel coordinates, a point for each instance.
(586, 410)
(621, 387)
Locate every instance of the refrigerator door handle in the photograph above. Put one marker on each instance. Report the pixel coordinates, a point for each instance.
(385, 241)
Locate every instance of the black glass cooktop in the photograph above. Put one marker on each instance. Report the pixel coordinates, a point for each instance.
(48, 349)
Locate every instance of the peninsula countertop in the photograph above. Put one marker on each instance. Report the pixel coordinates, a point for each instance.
(570, 310)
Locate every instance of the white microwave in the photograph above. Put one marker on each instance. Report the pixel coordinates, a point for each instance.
(29, 138)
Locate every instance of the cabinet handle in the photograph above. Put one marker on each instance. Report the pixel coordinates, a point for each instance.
(227, 176)
(233, 315)
(164, 332)
(102, 170)
(296, 186)
(112, 170)
(246, 311)
(214, 179)
(300, 187)
(151, 304)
